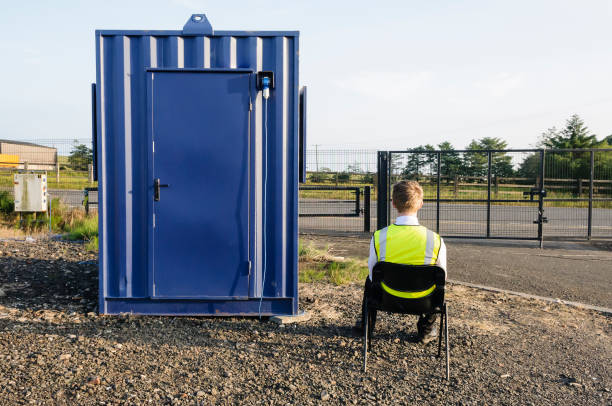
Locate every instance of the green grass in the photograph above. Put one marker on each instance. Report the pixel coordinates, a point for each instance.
(472, 192)
(83, 229)
(92, 244)
(73, 224)
(320, 266)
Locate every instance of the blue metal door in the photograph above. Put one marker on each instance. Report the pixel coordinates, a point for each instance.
(200, 133)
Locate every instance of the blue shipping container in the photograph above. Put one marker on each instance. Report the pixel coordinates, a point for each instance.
(197, 171)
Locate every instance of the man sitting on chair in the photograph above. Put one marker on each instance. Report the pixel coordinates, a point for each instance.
(406, 242)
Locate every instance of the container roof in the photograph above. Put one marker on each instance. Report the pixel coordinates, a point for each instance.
(198, 25)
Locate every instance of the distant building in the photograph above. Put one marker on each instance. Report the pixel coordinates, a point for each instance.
(18, 153)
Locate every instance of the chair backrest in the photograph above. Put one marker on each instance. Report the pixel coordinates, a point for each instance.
(413, 289)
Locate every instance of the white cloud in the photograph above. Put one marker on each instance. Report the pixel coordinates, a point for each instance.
(388, 86)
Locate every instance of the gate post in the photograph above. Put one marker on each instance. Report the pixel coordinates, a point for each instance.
(383, 190)
(541, 199)
(438, 194)
(591, 176)
(366, 209)
(489, 156)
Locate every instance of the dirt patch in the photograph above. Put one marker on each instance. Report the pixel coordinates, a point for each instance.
(504, 350)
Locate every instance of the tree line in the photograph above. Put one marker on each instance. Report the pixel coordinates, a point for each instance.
(563, 165)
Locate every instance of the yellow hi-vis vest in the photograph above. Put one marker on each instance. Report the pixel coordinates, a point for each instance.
(408, 245)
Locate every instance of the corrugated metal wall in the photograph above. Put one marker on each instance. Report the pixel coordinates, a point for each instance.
(122, 59)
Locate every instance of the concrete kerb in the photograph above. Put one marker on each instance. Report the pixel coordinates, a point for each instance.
(605, 310)
(302, 316)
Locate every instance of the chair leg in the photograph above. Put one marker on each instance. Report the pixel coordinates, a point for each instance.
(365, 337)
(371, 324)
(446, 343)
(440, 334)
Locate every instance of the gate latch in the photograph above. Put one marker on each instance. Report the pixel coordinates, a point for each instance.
(535, 192)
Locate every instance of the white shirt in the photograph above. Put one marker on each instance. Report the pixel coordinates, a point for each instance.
(407, 221)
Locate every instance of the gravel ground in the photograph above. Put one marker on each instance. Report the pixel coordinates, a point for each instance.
(580, 272)
(504, 349)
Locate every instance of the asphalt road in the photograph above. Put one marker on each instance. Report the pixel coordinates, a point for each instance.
(468, 219)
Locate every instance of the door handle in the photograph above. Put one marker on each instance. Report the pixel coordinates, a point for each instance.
(156, 186)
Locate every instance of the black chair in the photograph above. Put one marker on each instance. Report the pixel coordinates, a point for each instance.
(406, 289)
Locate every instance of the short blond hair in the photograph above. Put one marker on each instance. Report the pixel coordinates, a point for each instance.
(407, 195)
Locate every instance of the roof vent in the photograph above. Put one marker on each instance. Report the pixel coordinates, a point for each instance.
(197, 25)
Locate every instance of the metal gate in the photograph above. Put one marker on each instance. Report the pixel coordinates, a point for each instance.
(526, 194)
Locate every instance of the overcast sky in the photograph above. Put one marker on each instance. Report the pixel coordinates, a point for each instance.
(386, 74)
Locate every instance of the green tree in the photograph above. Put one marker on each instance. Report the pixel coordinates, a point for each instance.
(344, 177)
(575, 135)
(530, 167)
(80, 157)
(476, 162)
(606, 142)
(450, 162)
(419, 163)
(568, 165)
(501, 162)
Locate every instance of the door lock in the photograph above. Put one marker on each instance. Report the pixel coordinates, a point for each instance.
(156, 186)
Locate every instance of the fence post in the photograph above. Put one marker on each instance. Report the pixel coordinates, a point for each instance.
(57, 171)
(456, 185)
(366, 209)
(383, 190)
(25, 165)
(439, 169)
(591, 176)
(489, 194)
(579, 187)
(90, 172)
(357, 201)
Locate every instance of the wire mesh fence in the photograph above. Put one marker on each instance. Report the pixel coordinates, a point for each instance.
(468, 193)
(517, 194)
(334, 197)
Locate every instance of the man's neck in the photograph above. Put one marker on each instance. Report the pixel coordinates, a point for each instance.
(411, 214)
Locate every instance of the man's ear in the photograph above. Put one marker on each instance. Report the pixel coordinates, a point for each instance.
(393, 203)
(421, 204)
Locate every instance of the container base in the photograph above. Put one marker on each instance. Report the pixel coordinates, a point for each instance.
(199, 307)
